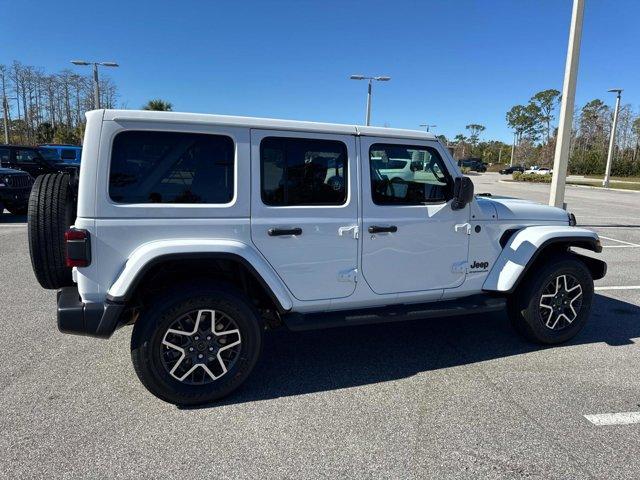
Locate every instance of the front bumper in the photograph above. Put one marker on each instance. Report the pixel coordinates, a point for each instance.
(14, 195)
(90, 319)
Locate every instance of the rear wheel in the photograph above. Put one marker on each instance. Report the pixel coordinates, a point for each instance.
(554, 302)
(196, 346)
(51, 212)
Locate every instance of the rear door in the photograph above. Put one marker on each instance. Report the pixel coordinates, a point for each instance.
(304, 210)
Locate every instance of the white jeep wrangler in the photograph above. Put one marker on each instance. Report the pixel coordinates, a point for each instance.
(203, 231)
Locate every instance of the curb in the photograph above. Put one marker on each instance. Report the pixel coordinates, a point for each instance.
(593, 187)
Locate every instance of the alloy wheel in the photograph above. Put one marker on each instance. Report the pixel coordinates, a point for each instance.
(201, 346)
(560, 302)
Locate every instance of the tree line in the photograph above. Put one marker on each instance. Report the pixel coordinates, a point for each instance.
(535, 131)
(48, 107)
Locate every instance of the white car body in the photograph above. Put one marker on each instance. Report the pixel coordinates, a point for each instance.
(437, 253)
(538, 171)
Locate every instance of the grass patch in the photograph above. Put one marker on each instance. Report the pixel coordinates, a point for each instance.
(612, 184)
(624, 179)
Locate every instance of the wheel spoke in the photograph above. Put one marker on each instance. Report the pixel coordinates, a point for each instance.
(560, 302)
(199, 345)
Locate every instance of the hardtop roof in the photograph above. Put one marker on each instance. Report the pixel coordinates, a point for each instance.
(263, 123)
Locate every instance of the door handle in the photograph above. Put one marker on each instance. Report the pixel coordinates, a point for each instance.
(381, 229)
(279, 232)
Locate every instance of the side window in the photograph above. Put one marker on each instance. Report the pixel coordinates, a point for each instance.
(408, 175)
(300, 171)
(26, 156)
(5, 155)
(171, 167)
(67, 154)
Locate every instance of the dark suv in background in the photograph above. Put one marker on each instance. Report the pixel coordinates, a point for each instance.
(35, 161)
(473, 164)
(512, 169)
(15, 186)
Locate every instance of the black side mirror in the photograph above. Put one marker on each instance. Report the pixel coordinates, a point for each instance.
(462, 192)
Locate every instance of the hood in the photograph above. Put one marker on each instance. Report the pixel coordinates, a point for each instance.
(11, 171)
(516, 209)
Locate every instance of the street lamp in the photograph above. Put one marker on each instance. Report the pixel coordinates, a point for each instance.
(612, 140)
(371, 79)
(563, 138)
(96, 86)
(427, 126)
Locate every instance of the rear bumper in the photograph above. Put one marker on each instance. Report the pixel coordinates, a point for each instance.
(89, 319)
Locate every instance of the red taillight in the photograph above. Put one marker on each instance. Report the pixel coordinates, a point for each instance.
(78, 251)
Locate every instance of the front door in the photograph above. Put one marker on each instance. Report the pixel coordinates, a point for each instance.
(304, 210)
(412, 239)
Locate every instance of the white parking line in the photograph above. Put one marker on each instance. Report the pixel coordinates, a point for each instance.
(622, 418)
(628, 244)
(620, 287)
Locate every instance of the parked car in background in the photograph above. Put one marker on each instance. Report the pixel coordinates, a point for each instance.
(35, 161)
(511, 169)
(538, 170)
(67, 153)
(398, 168)
(15, 186)
(473, 164)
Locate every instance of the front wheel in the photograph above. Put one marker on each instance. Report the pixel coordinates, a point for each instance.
(554, 302)
(196, 346)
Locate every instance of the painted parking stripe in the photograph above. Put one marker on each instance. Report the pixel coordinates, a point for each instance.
(619, 287)
(622, 418)
(620, 241)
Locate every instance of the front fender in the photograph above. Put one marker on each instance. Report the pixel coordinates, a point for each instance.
(150, 253)
(525, 245)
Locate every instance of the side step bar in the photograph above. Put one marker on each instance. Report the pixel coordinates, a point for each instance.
(394, 313)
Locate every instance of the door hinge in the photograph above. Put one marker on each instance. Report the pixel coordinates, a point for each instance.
(353, 229)
(350, 275)
(463, 227)
(459, 267)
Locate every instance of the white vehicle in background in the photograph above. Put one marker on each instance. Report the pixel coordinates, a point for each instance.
(538, 170)
(398, 168)
(205, 231)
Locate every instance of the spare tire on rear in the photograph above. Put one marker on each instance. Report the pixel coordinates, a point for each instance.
(51, 212)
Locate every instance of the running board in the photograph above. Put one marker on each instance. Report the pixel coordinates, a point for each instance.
(394, 313)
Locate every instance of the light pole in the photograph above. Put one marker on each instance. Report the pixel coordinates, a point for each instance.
(513, 148)
(427, 126)
(612, 140)
(563, 140)
(371, 79)
(96, 85)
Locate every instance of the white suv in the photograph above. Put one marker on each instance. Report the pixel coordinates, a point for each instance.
(203, 231)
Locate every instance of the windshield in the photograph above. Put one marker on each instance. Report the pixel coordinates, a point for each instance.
(49, 154)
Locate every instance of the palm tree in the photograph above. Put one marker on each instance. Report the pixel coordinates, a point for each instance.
(159, 105)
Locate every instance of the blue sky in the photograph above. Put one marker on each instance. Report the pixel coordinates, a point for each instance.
(451, 62)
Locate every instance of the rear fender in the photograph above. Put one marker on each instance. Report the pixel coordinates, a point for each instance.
(149, 254)
(527, 244)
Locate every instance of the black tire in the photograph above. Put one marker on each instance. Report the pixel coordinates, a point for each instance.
(51, 211)
(544, 324)
(17, 209)
(149, 355)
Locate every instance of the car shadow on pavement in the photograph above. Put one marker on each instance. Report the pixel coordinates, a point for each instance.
(297, 363)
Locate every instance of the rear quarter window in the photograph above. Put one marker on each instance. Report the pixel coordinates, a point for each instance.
(171, 167)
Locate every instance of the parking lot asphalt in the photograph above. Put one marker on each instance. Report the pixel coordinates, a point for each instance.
(452, 398)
